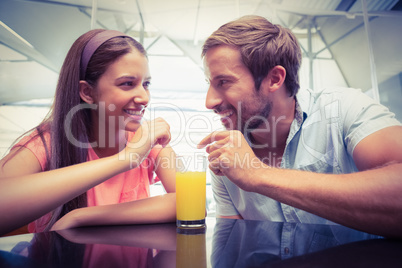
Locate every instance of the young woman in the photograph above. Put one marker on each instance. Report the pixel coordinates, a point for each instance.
(92, 160)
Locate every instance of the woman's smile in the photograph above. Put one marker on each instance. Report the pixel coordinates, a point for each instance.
(135, 114)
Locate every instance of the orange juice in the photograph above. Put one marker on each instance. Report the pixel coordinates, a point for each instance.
(191, 251)
(190, 195)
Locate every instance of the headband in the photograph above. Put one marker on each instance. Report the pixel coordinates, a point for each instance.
(93, 44)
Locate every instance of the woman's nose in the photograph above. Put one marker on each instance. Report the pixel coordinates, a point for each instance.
(141, 96)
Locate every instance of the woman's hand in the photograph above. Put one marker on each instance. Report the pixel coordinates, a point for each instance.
(149, 134)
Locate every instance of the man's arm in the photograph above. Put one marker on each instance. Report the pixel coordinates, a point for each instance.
(381, 148)
(368, 200)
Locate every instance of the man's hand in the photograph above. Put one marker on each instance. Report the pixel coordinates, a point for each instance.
(231, 156)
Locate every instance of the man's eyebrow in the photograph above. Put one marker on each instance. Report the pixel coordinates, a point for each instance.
(223, 76)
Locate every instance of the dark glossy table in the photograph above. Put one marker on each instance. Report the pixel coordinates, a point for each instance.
(224, 243)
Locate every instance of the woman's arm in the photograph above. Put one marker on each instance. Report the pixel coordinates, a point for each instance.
(26, 195)
(149, 210)
(155, 236)
(157, 209)
(165, 169)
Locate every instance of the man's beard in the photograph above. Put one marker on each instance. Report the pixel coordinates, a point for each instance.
(252, 120)
(250, 115)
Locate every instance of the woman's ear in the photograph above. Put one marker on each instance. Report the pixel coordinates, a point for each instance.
(86, 92)
(275, 78)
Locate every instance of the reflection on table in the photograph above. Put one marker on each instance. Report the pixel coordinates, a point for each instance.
(224, 243)
(239, 243)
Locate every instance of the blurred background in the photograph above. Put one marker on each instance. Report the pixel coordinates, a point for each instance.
(351, 43)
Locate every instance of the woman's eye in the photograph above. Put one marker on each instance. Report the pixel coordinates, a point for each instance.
(127, 83)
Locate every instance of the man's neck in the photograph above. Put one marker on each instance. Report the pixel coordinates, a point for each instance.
(270, 140)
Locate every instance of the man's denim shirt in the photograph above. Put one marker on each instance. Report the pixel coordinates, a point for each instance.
(328, 125)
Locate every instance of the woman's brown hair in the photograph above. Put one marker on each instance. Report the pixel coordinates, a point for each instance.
(63, 152)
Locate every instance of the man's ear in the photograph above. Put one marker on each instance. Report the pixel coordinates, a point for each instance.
(275, 78)
(86, 92)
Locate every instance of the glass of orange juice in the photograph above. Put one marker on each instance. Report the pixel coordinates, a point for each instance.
(191, 190)
(191, 248)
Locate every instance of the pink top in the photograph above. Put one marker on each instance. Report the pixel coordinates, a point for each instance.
(124, 187)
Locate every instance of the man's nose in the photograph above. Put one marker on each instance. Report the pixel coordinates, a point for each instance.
(213, 98)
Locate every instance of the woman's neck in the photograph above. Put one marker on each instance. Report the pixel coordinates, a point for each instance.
(107, 145)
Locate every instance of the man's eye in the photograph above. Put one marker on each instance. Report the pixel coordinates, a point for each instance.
(146, 84)
(222, 82)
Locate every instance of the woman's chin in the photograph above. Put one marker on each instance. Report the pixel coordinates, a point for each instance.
(132, 126)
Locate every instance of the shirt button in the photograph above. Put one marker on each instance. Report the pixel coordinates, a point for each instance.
(286, 250)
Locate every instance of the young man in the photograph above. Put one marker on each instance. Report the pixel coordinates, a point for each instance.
(326, 156)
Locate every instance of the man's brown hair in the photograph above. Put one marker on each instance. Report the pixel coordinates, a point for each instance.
(262, 46)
